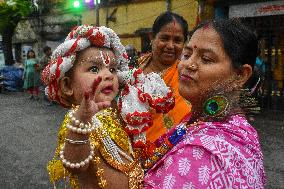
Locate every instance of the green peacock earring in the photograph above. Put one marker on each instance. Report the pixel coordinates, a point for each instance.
(216, 106)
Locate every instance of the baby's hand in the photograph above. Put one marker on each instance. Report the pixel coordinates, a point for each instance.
(89, 107)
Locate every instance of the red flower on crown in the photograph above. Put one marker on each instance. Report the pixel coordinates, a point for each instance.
(97, 40)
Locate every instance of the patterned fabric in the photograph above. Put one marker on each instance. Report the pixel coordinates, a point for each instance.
(212, 155)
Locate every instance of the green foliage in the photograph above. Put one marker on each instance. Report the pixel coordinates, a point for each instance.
(12, 11)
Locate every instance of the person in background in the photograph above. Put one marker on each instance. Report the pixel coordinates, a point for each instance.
(32, 75)
(46, 58)
(43, 63)
(132, 56)
(20, 71)
(169, 35)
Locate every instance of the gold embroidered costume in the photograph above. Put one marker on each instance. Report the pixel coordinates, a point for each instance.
(111, 128)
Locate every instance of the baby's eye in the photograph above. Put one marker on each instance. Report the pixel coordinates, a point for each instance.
(112, 70)
(94, 69)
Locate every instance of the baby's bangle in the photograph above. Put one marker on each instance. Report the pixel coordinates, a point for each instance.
(76, 141)
(79, 130)
(75, 121)
(76, 165)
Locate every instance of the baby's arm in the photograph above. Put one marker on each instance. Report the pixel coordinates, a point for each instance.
(77, 146)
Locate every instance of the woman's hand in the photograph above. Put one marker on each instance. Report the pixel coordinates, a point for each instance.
(88, 107)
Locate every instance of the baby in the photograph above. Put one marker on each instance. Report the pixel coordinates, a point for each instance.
(93, 145)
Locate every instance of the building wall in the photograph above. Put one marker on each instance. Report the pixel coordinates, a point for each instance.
(186, 8)
(134, 16)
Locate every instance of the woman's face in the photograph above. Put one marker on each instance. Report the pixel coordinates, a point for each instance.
(90, 64)
(168, 43)
(204, 64)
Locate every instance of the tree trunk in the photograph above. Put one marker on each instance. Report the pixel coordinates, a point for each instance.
(7, 44)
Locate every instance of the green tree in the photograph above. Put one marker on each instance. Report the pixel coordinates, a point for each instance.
(11, 13)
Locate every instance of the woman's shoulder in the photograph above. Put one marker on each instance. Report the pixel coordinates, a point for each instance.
(144, 59)
(235, 133)
(235, 124)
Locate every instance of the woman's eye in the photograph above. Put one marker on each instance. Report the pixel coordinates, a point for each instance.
(186, 56)
(206, 59)
(178, 40)
(164, 38)
(112, 70)
(94, 69)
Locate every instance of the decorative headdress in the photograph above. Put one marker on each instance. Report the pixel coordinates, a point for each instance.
(140, 93)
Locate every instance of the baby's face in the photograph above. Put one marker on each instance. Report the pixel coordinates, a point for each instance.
(90, 64)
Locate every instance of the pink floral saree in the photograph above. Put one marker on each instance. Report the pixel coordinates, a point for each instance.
(213, 155)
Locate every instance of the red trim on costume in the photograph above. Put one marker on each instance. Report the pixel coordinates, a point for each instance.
(125, 56)
(139, 144)
(134, 131)
(138, 118)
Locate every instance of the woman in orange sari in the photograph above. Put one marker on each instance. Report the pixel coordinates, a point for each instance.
(169, 35)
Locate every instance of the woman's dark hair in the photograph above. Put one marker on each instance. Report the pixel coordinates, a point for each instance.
(28, 57)
(239, 42)
(168, 17)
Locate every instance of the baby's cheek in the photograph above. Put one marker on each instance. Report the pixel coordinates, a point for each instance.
(85, 84)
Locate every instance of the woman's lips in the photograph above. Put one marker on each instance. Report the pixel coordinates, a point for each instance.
(169, 54)
(185, 77)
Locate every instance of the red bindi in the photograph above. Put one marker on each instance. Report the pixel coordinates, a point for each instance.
(194, 46)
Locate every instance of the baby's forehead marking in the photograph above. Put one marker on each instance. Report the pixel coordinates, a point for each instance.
(103, 58)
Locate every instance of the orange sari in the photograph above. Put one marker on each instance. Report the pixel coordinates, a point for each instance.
(164, 122)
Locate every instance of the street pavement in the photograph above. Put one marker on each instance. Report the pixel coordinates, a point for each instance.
(29, 131)
(28, 140)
